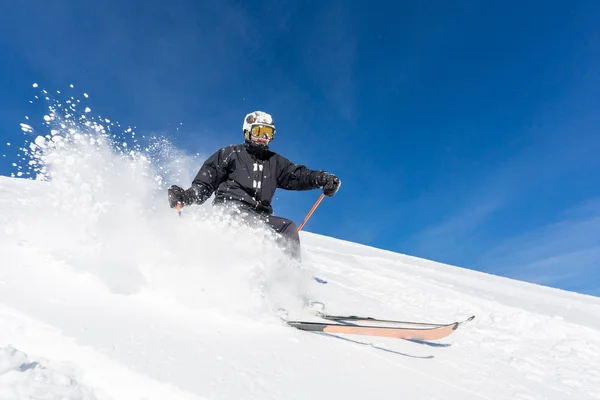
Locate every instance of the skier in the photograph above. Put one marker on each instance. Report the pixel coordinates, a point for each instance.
(244, 178)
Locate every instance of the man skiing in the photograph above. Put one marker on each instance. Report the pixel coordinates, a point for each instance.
(244, 178)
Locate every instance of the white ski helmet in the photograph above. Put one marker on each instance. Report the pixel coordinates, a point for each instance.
(257, 118)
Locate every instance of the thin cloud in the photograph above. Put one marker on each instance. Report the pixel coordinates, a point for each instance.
(447, 240)
(562, 252)
(497, 228)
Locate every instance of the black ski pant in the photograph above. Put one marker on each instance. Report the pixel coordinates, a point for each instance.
(288, 232)
(286, 229)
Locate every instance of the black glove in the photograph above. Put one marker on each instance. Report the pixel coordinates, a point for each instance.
(196, 194)
(176, 195)
(329, 182)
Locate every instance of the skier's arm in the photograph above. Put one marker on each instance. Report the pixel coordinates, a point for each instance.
(298, 177)
(295, 177)
(212, 173)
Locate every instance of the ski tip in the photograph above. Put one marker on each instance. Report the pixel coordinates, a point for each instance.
(457, 324)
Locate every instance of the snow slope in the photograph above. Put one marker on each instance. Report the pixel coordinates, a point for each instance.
(105, 293)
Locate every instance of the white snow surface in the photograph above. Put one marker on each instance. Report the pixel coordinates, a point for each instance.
(106, 293)
(23, 378)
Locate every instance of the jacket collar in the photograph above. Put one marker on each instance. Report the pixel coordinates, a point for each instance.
(257, 151)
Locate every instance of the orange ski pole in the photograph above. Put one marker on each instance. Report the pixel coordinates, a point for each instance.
(311, 211)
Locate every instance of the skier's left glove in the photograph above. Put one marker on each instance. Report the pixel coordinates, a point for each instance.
(329, 182)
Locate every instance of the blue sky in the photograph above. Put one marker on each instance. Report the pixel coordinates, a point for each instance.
(464, 132)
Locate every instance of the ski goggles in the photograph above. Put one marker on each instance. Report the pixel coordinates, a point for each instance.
(260, 130)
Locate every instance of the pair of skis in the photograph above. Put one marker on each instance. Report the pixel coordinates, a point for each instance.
(356, 325)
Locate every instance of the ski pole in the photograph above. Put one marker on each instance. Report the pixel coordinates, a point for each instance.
(311, 211)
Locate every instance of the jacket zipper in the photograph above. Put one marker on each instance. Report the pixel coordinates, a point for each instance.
(257, 183)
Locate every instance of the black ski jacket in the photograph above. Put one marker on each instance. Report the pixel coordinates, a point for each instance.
(248, 175)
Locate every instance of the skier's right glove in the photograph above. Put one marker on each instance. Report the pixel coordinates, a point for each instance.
(196, 194)
(329, 182)
(176, 196)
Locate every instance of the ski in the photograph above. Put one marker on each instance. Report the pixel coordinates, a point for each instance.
(355, 318)
(317, 308)
(423, 332)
